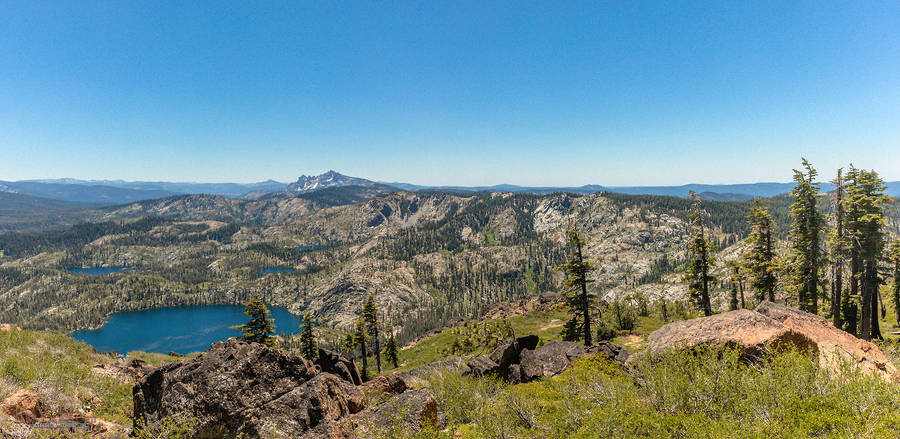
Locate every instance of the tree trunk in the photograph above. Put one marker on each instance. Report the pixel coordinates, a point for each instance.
(865, 318)
(872, 280)
(837, 287)
(377, 351)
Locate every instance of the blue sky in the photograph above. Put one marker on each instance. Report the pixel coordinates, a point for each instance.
(533, 93)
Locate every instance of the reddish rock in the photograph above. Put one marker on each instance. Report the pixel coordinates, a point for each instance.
(23, 406)
(832, 345)
(771, 327)
(391, 384)
(749, 331)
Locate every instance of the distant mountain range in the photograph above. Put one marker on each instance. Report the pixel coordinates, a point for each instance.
(112, 192)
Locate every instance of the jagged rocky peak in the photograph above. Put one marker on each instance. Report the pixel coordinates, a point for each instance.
(308, 183)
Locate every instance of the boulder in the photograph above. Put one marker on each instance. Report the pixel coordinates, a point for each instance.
(748, 331)
(832, 345)
(338, 364)
(406, 412)
(772, 327)
(247, 389)
(553, 358)
(23, 406)
(482, 365)
(390, 384)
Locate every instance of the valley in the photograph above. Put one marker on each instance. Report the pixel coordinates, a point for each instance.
(430, 257)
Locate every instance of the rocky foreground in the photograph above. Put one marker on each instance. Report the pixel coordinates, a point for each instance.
(246, 389)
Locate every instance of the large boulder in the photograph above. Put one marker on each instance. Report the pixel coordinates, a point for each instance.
(338, 364)
(553, 358)
(772, 327)
(832, 345)
(246, 389)
(22, 405)
(748, 331)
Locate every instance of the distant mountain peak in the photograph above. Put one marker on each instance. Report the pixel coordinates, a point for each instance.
(309, 183)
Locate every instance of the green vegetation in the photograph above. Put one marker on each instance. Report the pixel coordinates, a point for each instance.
(698, 274)
(308, 348)
(701, 394)
(806, 229)
(58, 370)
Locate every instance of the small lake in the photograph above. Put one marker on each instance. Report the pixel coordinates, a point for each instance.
(98, 271)
(309, 248)
(274, 270)
(181, 329)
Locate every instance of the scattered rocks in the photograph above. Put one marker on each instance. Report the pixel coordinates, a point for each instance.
(239, 388)
(521, 360)
(8, 327)
(771, 327)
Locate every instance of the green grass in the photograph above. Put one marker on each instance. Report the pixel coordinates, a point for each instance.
(155, 359)
(700, 394)
(58, 369)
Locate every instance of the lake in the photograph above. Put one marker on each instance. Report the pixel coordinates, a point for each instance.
(98, 271)
(309, 248)
(181, 329)
(274, 270)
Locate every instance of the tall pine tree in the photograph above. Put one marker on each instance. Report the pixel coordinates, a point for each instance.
(806, 230)
(838, 248)
(760, 257)
(361, 339)
(865, 201)
(578, 299)
(308, 347)
(698, 274)
(370, 316)
(390, 349)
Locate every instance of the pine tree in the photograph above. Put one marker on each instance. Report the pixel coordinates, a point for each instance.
(805, 236)
(370, 316)
(577, 270)
(260, 328)
(894, 258)
(308, 339)
(390, 349)
(698, 274)
(838, 245)
(865, 200)
(760, 257)
(361, 339)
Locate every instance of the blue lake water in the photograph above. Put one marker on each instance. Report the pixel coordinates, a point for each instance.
(274, 270)
(309, 248)
(98, 271)
(182, 329)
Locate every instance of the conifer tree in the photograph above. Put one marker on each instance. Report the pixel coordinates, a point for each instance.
(698, 274)
(894, 258)
(838, 248)
(865, 200)
(390, 349)
(806, 231)
(370, 316)
(308, 339)
(578, 299)
(260, 328)
(361, 339)
(760, 257)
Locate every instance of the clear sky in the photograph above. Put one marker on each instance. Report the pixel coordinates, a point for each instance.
(460, 92)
